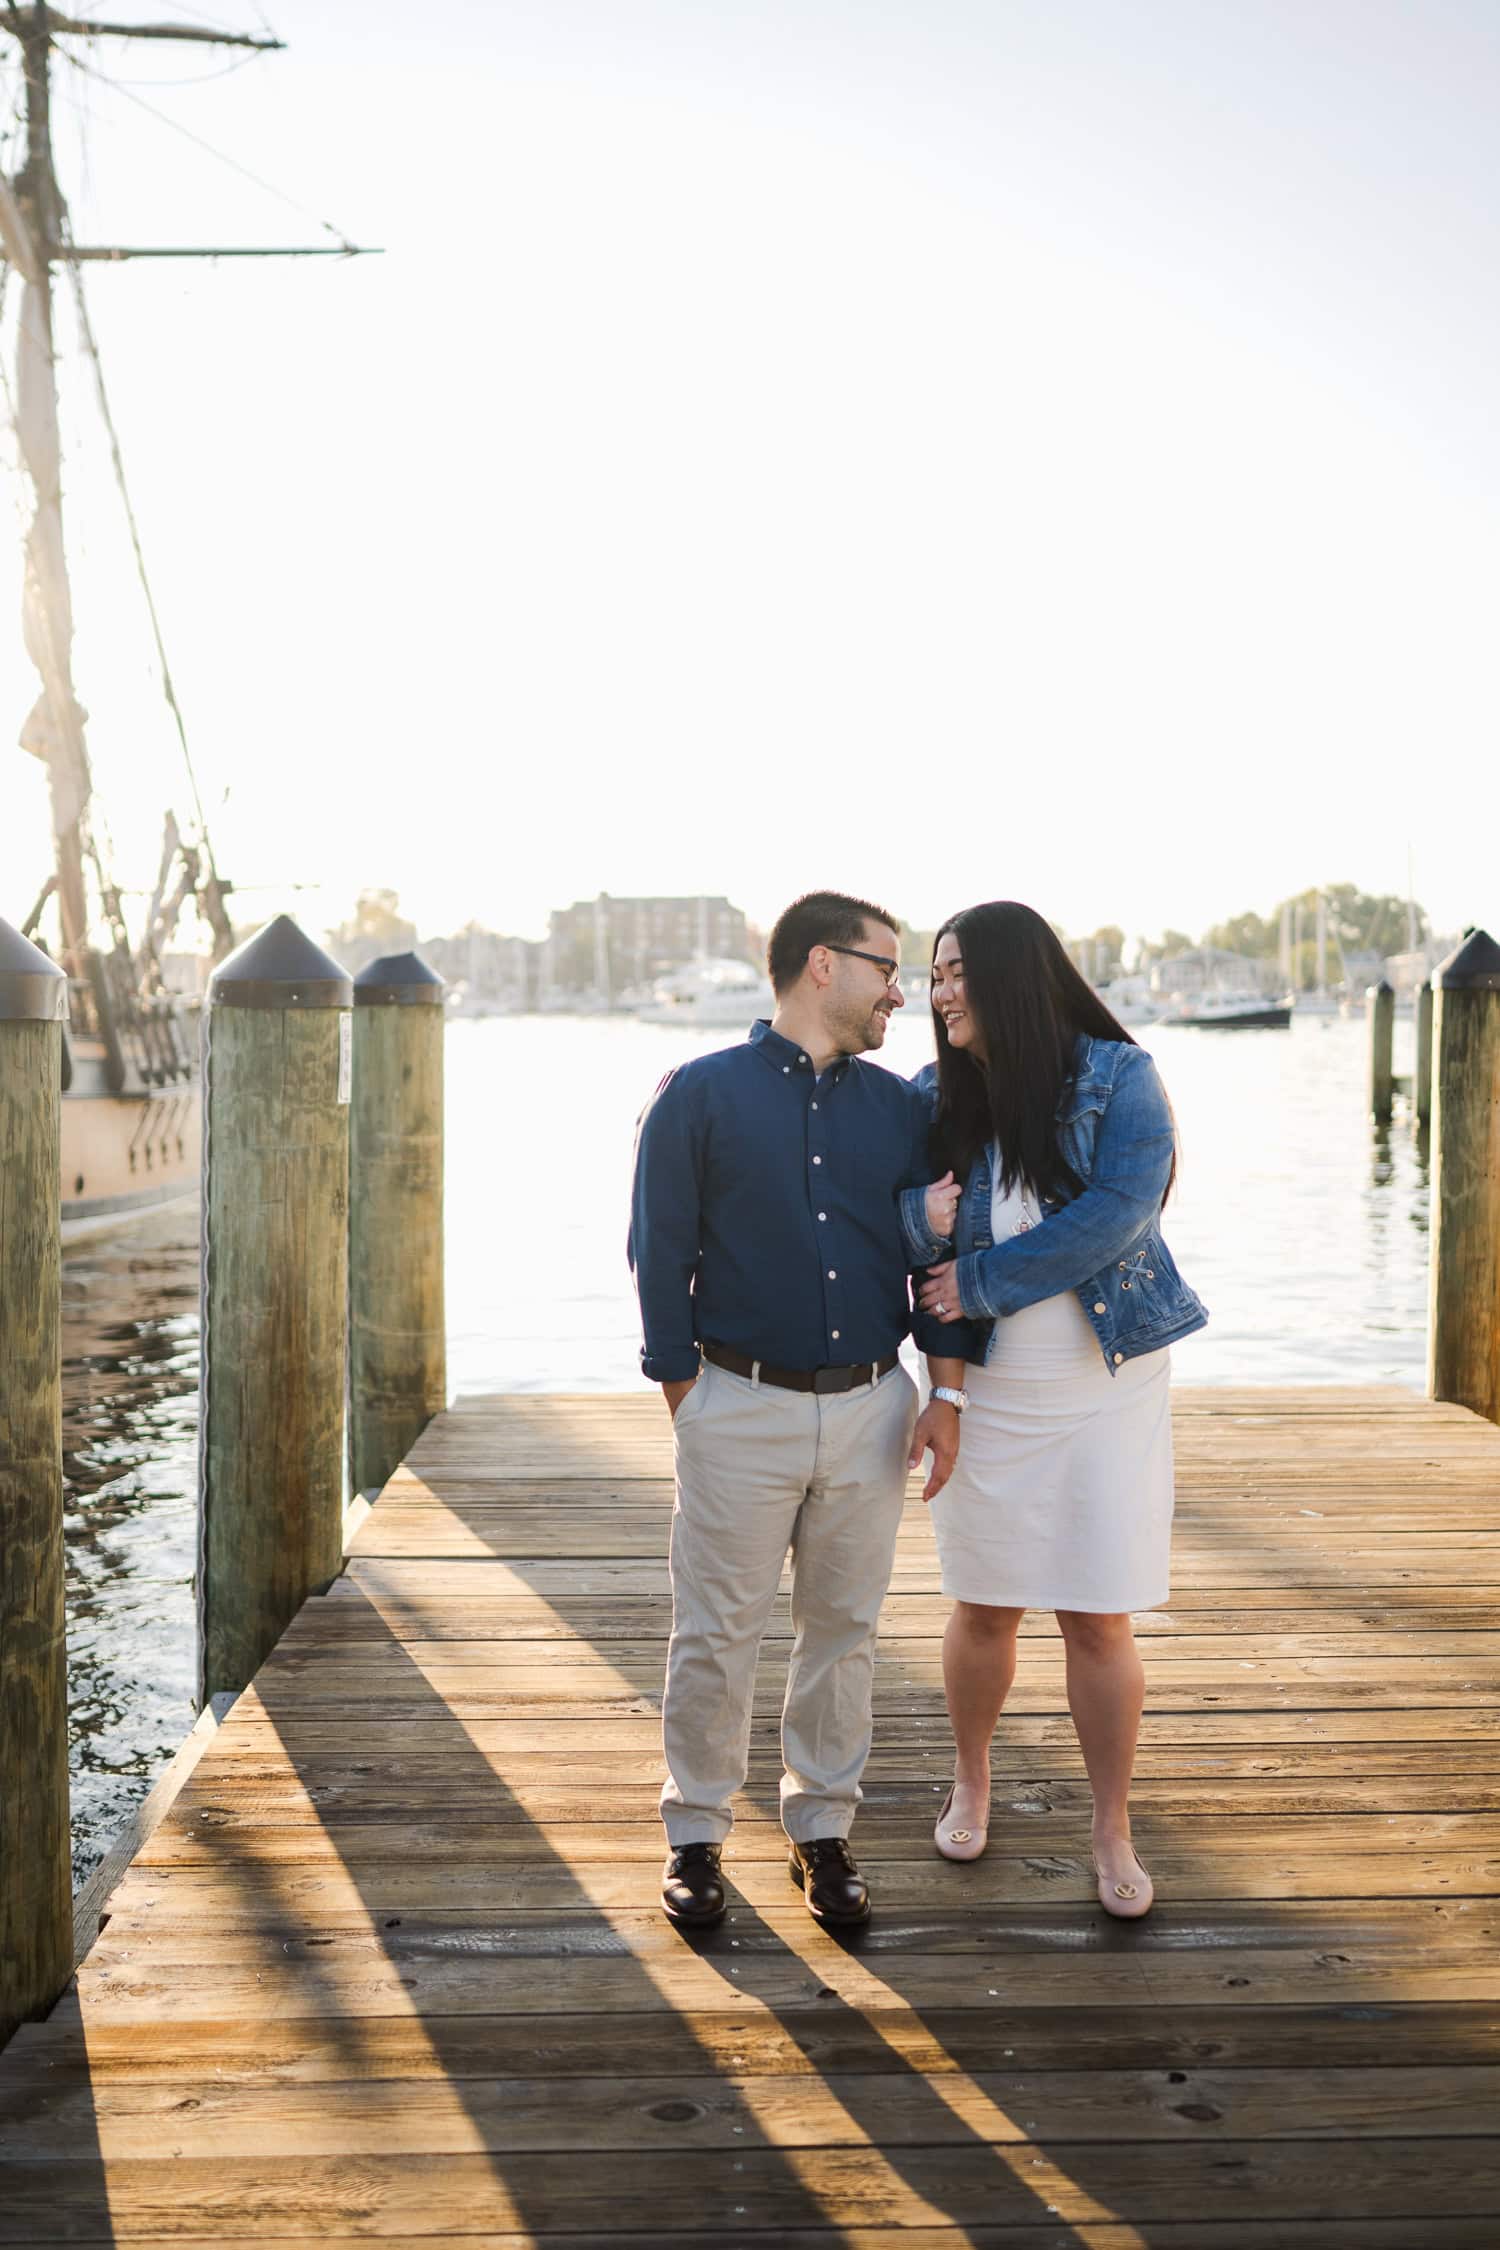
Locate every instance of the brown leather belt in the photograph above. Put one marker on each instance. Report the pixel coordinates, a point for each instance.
(819, 1379)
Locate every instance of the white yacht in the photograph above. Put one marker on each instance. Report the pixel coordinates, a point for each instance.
(1130, 1001)
(712, 993)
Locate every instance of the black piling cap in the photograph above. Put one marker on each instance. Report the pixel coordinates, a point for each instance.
(279, 967)
(398, 980)
(1474, 967)
(32, 988)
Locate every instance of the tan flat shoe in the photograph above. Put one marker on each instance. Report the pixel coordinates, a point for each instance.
(958, 1843)
(1125, 1900)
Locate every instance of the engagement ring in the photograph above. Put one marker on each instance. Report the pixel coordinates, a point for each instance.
(940, 1309)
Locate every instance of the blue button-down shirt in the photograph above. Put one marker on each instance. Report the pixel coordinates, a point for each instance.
(764, 1210)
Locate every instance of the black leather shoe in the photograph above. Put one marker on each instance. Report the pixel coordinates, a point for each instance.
(692, 1889)
(825, 1873)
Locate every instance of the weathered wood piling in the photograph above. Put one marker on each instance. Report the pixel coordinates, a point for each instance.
(1380, 1002)
(36, 1915)
(398, 1375)
(1463, 1326)
(276, 1092)
(1421, 1069)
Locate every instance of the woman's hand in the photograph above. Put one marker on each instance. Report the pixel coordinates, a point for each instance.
(942, 1204)
(938, 1294)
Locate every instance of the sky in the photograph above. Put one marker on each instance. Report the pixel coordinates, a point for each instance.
(947, 449)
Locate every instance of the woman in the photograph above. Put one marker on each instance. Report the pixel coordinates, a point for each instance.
(1048, 1276)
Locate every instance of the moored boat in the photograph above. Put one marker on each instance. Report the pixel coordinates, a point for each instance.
(130, 1106)
(715, 994)
(1233, 1011)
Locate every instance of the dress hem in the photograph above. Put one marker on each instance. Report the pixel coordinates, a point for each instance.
(1051, 1601)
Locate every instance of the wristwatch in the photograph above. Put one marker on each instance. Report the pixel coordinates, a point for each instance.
(960, 1399)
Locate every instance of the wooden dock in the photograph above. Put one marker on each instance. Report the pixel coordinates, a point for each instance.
(392, 1966)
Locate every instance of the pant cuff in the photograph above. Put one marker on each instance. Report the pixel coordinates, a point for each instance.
(812, 1827)
(694, 1828)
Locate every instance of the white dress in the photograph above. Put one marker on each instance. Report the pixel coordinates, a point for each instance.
(1062, 1497)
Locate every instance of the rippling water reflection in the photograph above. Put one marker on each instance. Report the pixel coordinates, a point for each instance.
(130, 1404)
(1303, 1228)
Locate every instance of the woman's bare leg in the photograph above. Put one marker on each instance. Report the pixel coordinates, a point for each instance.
(979, 1663)
(1106, 1689)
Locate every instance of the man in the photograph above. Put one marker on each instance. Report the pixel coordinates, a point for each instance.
(773, 1289)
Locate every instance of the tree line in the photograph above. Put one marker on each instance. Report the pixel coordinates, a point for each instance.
(1357, 922)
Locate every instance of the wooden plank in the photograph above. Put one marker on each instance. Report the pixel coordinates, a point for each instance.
(164, 2120)
(1082, 2235)
(564, 1755)
(1194, 2234)
(412, 1887)
(423, 1625)
(170, 1991)
(306, 2050)
(224, 1834)
(1033, 1825)
(243, 2197)
(377, 1671)
(468, 1694)
(140, 1825)
(560, 1581)
(1022, 1730)
(576, 1927)
(1059, 1869)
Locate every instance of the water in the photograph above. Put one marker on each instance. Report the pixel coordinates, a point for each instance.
(1303, 1227)
(130, 1405)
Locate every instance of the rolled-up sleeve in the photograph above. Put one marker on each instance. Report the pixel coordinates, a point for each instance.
(664, 1242)
(923, 1247)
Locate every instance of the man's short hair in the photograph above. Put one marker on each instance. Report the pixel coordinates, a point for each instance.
(818, 918)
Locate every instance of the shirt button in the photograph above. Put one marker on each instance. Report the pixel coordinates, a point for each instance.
(835, 1335)
(822, 1218)
(786, 1070)
(802, 1058)
(815, 1105)
(1119, 1359)
(833, 1273)
(1101, 1308)
(817, 1160)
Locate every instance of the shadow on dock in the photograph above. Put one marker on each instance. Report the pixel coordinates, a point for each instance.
(394, 1965)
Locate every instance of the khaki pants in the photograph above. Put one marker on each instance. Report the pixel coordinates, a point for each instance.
(760, 1470)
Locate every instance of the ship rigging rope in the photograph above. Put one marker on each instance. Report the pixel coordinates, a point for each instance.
(119, 86)
(85, 326)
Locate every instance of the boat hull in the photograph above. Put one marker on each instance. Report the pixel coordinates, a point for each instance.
(124, 1155)
(1240, 1019)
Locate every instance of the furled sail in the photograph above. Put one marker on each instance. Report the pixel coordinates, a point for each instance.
(54, 728)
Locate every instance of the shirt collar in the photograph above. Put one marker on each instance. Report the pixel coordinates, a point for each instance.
(783, 1055)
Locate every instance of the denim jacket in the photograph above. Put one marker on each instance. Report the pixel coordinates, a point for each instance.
(1115, 1133)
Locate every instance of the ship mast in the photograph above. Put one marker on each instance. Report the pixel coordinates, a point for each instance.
(33, 238)
(54, 730)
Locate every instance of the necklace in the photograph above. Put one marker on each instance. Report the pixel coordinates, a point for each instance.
(1030, 1212)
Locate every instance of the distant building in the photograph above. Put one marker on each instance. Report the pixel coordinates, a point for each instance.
(487, 974)
(610, 946)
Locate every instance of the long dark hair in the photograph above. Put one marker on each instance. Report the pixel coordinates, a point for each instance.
(1031, 1006)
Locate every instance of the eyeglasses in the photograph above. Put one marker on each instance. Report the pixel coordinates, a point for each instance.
(881, 960)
